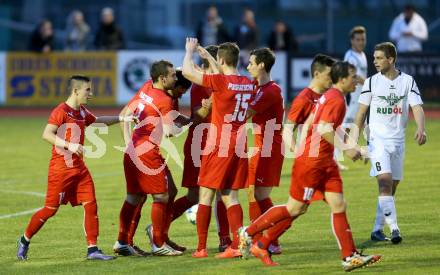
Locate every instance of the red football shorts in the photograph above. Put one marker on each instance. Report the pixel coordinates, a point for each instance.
(266, 171)
(222, 173)
(309, 183)
(147, 174)
(73, 185)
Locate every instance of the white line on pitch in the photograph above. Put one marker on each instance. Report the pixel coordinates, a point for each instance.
(19, 213)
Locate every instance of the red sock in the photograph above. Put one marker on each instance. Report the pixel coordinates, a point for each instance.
(254, 211)
(222, 220)
(38, 220)
(135, 221)
(342, 232)
(274, 232)
(203, 219)
(168, 220)
(268, 219)
(91, 223)
(158, 219)
(127, 214)
(235, 217)
(180, 206)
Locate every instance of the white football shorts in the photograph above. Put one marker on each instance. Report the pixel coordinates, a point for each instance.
(386, 157)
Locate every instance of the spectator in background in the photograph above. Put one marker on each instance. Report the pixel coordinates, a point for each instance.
(109, 36)
(77, 32)
(409, 30)
(212, 31)
(42, 38)
(246, 34)
(282, 39)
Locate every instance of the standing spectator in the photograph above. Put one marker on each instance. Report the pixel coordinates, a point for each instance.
(282, 39)
(77, 32)
(109, 36)
(409, 30)
(246, 34)
(42, 38)
(212, 31)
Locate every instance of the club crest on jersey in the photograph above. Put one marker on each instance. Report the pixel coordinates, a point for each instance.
(392, 99)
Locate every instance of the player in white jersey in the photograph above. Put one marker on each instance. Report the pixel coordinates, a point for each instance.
(388, 95)
(356, 56)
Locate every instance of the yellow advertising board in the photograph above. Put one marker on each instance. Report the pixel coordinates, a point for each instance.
(34, 79)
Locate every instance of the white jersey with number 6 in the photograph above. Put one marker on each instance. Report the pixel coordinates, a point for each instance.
(389, 102)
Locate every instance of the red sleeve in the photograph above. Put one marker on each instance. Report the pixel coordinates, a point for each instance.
(299, 111)
(56, 117)
(333, 112)
(216, 82)
(263, 100)
(89, 117)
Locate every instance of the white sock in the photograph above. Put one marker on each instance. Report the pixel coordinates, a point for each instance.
(380, 219)
(389, 211)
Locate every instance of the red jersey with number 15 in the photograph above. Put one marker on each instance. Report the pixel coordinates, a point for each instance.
(231, 95)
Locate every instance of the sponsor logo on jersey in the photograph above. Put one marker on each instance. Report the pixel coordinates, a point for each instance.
(392, 100)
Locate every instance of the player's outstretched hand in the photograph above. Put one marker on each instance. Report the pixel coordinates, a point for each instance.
(420, 136)
(353, 153)
(130, 118)
(203, 52)
(191, 44)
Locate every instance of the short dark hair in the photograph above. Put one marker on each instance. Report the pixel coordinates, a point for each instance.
(75, 80)
(266, 56)
(341, 69)
(181, 80)
(159, 68)
(357, 29)
(229, 52)
(320, 62)
(388, 49)
(212, 50)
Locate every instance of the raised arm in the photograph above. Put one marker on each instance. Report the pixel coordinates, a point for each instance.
(188, 69)
(419, 116)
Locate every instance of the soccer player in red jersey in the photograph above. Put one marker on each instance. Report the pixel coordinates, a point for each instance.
(267, 112)
(315, 171)
(194, 144)
(69, 179)
(145, 169)
(180, 87)
(225, 167)
(300, 110)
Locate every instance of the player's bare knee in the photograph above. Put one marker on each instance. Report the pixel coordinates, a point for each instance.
(162, 198)
(261, 193)
(133, 199)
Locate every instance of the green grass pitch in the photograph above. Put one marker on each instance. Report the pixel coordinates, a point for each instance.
(308, 247)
